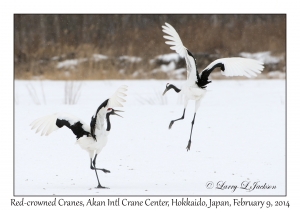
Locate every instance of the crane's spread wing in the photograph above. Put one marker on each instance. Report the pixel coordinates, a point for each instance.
(115, 100)
(50, 123)
(176, 44)
(175, 40)
(231, 67)
(236, 67)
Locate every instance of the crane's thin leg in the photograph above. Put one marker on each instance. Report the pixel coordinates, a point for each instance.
(93, 167)
(171, 123)
(189, 143)
(99, 185)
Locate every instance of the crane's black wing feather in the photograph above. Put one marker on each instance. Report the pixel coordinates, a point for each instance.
(50, 123)
(76, 128)
(202, 79)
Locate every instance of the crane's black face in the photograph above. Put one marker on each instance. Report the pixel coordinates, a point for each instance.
(111, 111)
(167, 88)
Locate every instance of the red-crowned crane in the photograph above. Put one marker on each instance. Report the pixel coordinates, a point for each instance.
(91, 138)
(194, 87)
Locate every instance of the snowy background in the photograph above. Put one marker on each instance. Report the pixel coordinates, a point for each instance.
(131, 46)
(239, 135)
(171, 65)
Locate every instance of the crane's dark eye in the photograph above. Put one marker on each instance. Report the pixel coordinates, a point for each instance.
(108, 109)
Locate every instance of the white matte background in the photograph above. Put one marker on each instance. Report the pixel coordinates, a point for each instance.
(6, 85)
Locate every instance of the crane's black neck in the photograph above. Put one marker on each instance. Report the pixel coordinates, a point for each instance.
(202, 79)
(108, 122)
(94, 118)
(201, 82)
(170, 86)
(190, 54)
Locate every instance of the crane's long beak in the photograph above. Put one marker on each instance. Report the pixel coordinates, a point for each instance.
(165, 91)
(114, 113)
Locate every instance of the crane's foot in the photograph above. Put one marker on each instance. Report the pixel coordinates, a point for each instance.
(101, 169)
(105, 171)
(188, 146)
(101, 187)
(171, 123)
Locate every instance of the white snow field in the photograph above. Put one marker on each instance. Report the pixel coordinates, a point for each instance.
(238, 140)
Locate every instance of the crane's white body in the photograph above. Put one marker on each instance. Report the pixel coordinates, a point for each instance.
(194, 87)
(91, 138)
(90, 145)
(234, 67)
(192, 92)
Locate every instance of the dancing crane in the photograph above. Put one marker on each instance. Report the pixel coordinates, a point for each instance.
(194, 87)
(91, 138)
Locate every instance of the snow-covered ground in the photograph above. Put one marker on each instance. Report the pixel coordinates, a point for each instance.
(238, 139)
